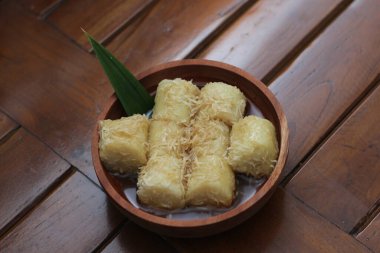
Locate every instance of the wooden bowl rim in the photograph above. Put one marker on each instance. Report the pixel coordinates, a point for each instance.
(272, 181)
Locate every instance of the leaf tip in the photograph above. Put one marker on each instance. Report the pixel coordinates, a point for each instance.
(90, 39)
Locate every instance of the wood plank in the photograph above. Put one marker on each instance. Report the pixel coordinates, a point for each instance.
(267, 33)
(172, 30)
(283, 225)
(6, 125)
(341, 180)
(61, 88)
(41, 7)
(101, 18)
(322, 84)
(28, 168)
(75, 218)
(136, 239)
(370, 236)
(64, 116)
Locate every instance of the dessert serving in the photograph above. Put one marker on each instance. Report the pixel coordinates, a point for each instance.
(187, 153)
(188, 148)
(201, 175)
(122, 144)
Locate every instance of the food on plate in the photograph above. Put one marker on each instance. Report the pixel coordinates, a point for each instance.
(175, 100)
(210, 183)
(166, 138)
(210, 179)
(209, 137)
(160, 183)
(220, 101)
(189, 150)
(123, 143)
(253, 149)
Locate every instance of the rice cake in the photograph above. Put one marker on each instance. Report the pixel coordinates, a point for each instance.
(253, 149)
(210, 138)
(166, 138)
(220, 101)
(175, 100)
(123, 143)
(210, 183)
(160, 183)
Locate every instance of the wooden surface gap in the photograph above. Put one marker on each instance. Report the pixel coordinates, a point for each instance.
(40, 8)
(102, 19)
(366, 220)
(57, 30)
(53, 226)
(170, 244)
(133, 238)
(49, 9)
(282, 225)
(311, 209)
(284, 63)
(7, 126)
(39, 199)
(134, 25)
(141, 14)
(345, 115)
(89, 178)
(47, 145)
(110, 237)
(370, 235)
(9, 135)
(63, 158)
(222, 27)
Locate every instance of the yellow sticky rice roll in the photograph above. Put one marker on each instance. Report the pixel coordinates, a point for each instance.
(160, 183)
(175, 100)
(123, 143)
(253, 146)
(210, 183)
(210, 137)
(166, 138)
(220, 101)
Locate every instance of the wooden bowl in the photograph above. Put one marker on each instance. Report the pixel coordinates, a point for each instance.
(200, 71)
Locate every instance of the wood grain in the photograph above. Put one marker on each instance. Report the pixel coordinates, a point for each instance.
(66, 87)
(329, 77)
(267, 33)
(370, 236)
(100, 18)
(41, 7)
(341, 180)
(6, 125)
(28, 168)
(61, 88)
(133, 238)
(283, 225)
(172, 30)
(74, 218)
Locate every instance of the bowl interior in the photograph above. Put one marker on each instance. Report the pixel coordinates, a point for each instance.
(260, 102)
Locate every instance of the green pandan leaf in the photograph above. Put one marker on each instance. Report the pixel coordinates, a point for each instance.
(132, 95)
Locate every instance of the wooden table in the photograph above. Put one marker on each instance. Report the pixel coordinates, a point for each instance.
(320, 58)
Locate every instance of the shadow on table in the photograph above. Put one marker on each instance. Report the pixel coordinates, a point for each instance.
(259, 233)
(133, 238)
(254, 235)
